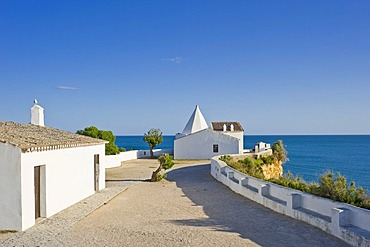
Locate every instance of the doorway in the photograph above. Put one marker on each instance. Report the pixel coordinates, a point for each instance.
(39, 186)
(37, 183)
(96, 172)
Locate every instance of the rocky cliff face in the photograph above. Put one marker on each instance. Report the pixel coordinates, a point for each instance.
(273, 171)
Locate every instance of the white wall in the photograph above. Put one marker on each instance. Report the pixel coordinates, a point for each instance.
(69, 178)
(10, 187)
(239, 135)
(200, 145)
(347, 222)
(116, 160)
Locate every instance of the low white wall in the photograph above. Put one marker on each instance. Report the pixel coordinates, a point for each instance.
(347, 222)
(10, 187)
(116, 160)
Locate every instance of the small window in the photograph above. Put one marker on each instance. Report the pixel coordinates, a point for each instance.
(215, 148)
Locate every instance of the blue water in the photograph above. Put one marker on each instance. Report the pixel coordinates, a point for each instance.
(137, 142)
(309, 155)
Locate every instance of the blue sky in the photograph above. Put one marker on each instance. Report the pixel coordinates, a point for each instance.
(278, 67)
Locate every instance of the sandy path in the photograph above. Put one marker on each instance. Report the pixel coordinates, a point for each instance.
(190, 209)
(5, 235)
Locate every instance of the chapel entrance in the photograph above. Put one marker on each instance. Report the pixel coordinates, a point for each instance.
(96, 172)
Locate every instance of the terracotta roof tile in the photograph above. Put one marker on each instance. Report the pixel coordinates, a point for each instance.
(30, 137)
(219, 126)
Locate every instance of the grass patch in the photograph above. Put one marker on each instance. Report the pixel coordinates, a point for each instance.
(7, 231)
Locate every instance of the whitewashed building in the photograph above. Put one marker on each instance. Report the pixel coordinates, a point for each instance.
(45, 170)
(199, 141)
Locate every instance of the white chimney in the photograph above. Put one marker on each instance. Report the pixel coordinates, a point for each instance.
(224, 127)
(232, 127)
(37, 114)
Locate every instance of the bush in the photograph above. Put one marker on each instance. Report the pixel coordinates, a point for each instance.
(165, 163)
(279, 151)
(336, 188)
(330, 186)
(295, 182)
(107, 135)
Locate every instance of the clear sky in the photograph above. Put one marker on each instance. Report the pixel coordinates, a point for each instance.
(278, 67)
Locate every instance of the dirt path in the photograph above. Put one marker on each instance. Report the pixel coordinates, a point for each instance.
(190, 209)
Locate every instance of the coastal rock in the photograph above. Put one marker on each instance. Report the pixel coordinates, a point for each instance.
(274, 170)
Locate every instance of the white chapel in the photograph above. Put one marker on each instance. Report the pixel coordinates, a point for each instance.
(199, 141)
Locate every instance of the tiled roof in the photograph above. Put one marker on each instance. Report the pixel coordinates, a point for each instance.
(30, 137)
(219, 126)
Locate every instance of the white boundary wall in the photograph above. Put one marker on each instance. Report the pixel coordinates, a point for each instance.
(115, 160)
(347, 222)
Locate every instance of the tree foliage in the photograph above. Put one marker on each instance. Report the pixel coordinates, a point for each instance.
(153, 138)
(107, 135)
(279, 151)
(165, 163)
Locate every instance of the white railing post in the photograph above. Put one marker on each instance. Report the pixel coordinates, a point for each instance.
(340, 216)
(295, 201)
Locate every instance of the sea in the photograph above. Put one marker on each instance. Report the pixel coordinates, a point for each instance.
(309, 155)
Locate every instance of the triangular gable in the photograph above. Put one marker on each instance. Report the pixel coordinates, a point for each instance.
(196, 122)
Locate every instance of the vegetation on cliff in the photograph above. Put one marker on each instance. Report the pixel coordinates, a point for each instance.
(263, 167)
(330, 185)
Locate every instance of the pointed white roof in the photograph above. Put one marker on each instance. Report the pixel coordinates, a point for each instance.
(196, 122)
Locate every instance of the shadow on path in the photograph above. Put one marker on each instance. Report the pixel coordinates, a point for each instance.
(228, 211)
(128, 180)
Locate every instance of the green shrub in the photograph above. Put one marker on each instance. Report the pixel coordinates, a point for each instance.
(279, 151)
(165, 163)
(330, 186)
(107, 135)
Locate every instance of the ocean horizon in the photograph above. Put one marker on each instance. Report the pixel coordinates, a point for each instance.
(309, 155)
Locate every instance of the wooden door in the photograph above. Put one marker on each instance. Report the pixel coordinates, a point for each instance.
(96, 172)
(37, 191)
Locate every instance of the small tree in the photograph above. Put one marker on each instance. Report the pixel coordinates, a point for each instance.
(153, 138)
(279, 151)
(165, 162)
(92, 131)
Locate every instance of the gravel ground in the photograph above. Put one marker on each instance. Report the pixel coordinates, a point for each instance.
(190, 208)
(48, 231)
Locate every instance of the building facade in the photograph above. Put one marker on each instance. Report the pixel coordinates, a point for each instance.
(45, 170)
(198, 141)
